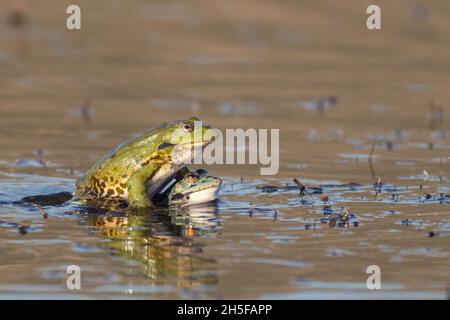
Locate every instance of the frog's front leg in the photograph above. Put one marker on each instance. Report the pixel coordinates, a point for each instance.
(137, 187)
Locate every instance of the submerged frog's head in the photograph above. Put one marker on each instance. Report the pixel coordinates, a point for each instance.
(178, 141)
(195, 188)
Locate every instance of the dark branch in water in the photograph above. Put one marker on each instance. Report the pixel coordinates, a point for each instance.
(300, 186)
(42, 211)
(372, 171)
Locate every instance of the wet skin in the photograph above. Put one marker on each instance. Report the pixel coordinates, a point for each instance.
(133, 171)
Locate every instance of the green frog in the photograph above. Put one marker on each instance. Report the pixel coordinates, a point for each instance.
(194, 188)
(135, 171)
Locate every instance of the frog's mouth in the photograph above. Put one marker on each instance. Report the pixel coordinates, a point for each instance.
(201, 143)
(197, 143)
(184, 153)
(207, 136)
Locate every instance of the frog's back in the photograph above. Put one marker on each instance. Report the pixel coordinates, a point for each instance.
(109, 175)
(106, 179)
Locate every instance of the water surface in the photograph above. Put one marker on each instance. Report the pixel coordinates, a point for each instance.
(354, 108)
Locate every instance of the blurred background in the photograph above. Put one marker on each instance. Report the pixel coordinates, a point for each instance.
(311, 69)
(352, 105)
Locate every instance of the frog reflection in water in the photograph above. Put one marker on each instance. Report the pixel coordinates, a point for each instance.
(164, 243)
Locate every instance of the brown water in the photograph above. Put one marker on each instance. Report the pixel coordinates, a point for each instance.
(67, 97)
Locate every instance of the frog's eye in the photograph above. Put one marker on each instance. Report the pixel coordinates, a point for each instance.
(187, 126)
(191, 177)
(164, 145)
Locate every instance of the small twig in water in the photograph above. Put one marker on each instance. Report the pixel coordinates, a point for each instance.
(377, 187)
(372, 150)
(300, 186)
(345, 214)
(372, 171)
(42, 211)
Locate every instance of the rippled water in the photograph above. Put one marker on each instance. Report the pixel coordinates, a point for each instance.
(363, 125)
(266, 236)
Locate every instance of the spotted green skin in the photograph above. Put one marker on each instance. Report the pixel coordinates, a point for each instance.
(186, 188)
(126, 171)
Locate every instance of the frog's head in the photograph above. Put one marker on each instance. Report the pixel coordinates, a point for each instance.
(179, 140)
(195, 188)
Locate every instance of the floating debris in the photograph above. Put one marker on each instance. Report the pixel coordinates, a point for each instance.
(332, 222)
(341, 219)
(23, 230)
(345, 214)
(84, 112)
(327, 210)
(287, 187)
(372, 150)
(300, 186)
(320, 105)
(426, 175)
(412, 222)
(310, 226)
(377, 187)
(42, 211)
